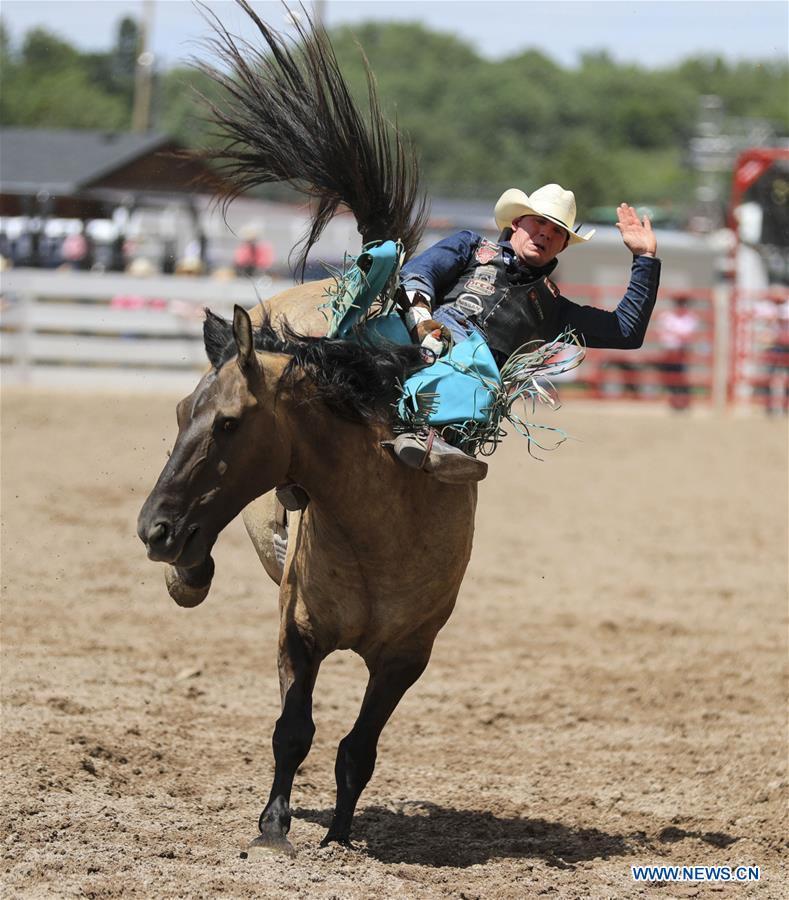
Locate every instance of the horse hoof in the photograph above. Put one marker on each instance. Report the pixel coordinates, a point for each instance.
(340, 841)
(266, 844)
(186, 594)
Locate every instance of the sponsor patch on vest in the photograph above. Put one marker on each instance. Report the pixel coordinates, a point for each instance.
(483, 280)
(469, 304)
(486, 252)
(480, 287)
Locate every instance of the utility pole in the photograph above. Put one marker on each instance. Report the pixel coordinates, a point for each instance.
(143, 73)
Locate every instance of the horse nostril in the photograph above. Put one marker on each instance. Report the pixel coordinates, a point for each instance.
(157, 534)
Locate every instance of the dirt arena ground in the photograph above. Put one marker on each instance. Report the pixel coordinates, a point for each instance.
(610, 690)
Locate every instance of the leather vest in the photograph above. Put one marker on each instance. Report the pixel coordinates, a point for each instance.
(510, 315)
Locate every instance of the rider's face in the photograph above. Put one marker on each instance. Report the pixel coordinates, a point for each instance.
(536, 240)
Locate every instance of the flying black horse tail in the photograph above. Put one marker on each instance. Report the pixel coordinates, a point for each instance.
(287, 116)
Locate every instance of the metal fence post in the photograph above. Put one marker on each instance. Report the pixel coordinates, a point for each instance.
(722, 346)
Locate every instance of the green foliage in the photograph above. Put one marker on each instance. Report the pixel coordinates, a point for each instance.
(5, 42)
(127, 47)
(759, 90)
(66, 99)
(43, 52)
(49, 84)
(182, 105)
(604, 128)
(115, 70)
(612, 132)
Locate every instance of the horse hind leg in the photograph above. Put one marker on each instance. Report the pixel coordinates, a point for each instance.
(293, 733)
(356, 755)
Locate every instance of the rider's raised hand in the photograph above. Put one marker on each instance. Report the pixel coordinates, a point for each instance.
(638, 236)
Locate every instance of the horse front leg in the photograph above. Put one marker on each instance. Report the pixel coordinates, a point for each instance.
(293, 733)
(389, 680)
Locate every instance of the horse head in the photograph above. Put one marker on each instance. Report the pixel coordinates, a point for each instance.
(228, 451)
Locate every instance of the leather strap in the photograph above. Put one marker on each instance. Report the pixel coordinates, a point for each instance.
(280, 515)
(431, 435)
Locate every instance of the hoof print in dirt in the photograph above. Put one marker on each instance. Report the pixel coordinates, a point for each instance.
(265, 845)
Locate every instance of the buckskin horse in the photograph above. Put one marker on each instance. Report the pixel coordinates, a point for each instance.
(375, 561)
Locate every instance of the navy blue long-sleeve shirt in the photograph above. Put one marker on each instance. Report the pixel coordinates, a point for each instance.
(436, 270)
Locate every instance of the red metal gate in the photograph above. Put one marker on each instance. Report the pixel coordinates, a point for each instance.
(675, 364)
(759, 341)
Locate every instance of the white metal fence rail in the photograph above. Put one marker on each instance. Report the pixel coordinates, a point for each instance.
(75, 330)
(82, 330)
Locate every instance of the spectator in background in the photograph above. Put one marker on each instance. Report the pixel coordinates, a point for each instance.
(772, 320)
(244, 259)
(169, 248)
(5, 252)
(25, 248)
(252, 256)
(118, 253)
(677, 330)
(264, 256)
(191, 262)
(75, 250)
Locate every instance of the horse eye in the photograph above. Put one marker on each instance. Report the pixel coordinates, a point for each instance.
(227, 424)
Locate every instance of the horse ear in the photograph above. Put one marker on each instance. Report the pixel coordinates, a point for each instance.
(217, 334)
(242, 332)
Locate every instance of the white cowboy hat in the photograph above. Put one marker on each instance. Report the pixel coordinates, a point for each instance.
(550, 201)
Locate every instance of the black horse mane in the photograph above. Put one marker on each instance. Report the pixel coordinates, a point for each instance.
(356, 379)
(287, 116)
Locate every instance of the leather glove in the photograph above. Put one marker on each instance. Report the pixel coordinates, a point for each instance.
(428, 326)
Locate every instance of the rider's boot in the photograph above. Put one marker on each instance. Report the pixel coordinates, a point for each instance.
(427, 451)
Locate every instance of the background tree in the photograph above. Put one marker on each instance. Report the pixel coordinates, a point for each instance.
(609, 130)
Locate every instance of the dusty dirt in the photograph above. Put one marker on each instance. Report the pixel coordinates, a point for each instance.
(609, 691)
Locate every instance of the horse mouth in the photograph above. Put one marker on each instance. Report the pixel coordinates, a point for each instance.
(192, 552)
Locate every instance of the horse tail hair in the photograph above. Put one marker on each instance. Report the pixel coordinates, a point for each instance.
(288, 117)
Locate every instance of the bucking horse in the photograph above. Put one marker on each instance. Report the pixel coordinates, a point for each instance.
(375, 560)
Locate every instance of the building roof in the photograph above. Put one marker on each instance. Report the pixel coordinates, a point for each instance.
(65, 162)
(79, 174)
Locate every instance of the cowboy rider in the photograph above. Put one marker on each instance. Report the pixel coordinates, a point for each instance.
(502, 289)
